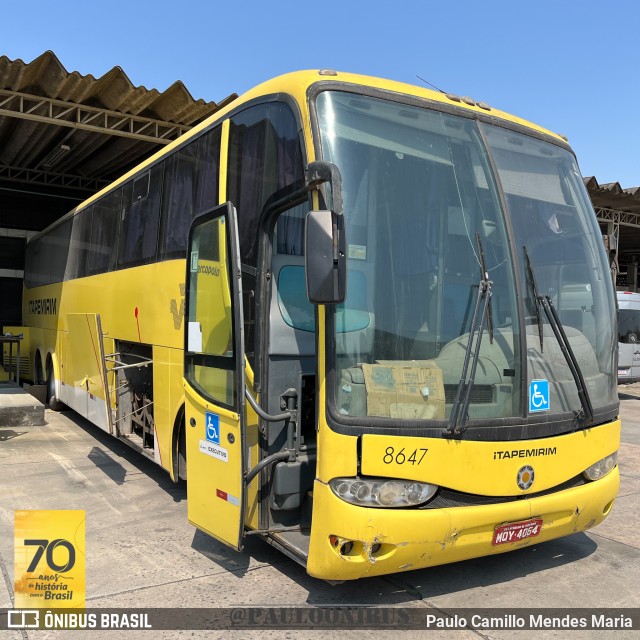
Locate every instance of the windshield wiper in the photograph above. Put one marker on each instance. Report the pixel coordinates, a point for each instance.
(485, 275)
(459, 410)
(558, 330)
(536, 297)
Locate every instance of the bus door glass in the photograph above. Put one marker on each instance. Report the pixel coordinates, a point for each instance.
(214, 377)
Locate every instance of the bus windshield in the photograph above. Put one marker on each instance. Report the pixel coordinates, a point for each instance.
(424, 212)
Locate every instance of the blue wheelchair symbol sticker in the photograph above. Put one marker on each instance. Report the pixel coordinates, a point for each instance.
(539, 396)
(213, 427)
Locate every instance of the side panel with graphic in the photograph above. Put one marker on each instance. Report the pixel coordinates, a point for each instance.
(214, 378)
(85, 388)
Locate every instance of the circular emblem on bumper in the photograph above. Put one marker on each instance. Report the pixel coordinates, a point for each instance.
(525, 477)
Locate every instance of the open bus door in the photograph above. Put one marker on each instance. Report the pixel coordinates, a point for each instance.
(214, 377)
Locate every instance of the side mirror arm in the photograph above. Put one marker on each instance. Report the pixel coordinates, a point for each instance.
(319, 172)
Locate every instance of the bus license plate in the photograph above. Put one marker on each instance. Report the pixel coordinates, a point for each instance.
(516, 531)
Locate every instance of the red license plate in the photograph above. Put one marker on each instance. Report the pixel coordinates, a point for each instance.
(516, 531)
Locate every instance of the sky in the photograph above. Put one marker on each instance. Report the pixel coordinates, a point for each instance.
(569, 66)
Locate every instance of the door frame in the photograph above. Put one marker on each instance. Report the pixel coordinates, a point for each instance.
(228, 212)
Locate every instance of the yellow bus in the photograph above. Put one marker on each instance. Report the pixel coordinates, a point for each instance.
(368, 322)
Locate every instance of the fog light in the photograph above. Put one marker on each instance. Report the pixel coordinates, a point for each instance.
(602, 467)
(382, 492)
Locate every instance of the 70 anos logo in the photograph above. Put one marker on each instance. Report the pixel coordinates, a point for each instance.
(47, 548)
(49, 558)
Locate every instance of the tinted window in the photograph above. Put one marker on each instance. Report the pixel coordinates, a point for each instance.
(79, 246)
(141, 218)
(103, 249)
(264, 157)
(141, 187)
(191, 187)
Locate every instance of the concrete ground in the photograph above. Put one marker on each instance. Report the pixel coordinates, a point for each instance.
(142, 552)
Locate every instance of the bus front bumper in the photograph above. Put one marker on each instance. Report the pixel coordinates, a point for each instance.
(349, 542)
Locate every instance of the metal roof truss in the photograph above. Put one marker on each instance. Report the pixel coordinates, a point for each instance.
(50, 178)
(618, 217)
(68, 114)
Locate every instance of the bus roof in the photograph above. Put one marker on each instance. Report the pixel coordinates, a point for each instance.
(301, 80)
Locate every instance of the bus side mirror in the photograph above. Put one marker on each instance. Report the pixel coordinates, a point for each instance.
(325, 260)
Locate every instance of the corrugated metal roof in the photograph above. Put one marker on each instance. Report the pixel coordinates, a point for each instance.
(77, 101)
(611, 195)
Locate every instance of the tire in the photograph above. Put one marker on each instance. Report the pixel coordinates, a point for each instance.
(52, 400)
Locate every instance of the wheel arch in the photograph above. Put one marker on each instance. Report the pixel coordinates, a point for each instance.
(52, 358)
(178, 441)
(53, 388)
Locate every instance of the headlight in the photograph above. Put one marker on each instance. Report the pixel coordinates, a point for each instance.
(380, 492)
(602, 467)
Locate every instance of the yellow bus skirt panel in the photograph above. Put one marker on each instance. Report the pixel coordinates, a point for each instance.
(349, 542)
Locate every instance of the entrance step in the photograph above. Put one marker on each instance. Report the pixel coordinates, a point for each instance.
(18, 408)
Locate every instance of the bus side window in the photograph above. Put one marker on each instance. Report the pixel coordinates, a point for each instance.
(79, 246)
(104, 234)
(190, 188)
(264, 158)
(140, 218)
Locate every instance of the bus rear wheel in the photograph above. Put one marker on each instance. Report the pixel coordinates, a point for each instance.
(38, 374)
(52, 398)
